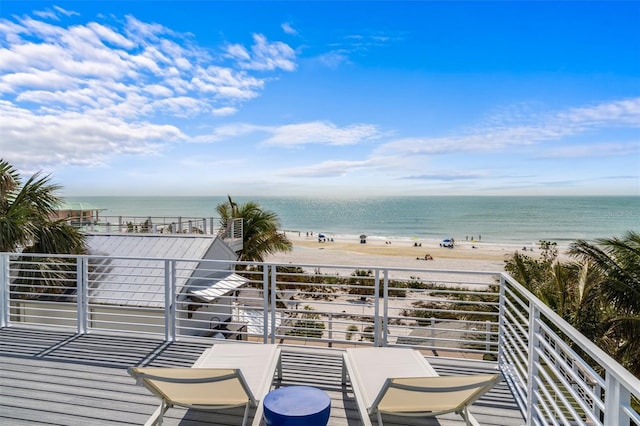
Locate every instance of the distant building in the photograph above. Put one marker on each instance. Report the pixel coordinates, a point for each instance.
(78, 214)
(127, 288)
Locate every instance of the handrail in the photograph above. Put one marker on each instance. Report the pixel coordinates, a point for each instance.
(176, 298)
(594, 351)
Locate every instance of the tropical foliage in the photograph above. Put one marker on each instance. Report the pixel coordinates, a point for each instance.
(26, 225)
(308, 325)
(26, 212)
(616, 263)
(261, 235)
(597, 291)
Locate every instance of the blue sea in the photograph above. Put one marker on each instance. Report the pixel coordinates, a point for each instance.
(500, 220)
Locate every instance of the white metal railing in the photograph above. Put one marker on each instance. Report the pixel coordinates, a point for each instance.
(158, 224)
(556, 375)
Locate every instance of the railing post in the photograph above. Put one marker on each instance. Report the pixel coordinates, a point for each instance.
(501, 309)
(487, 329)
(204, 226)
(616, 397)
(211, 225)
(532, 361)
(330, 329)
(82, 294)
(433, 333)
(4, 290)
(179, 228)
(270, 288)
(385, 310)
(169, 301)
(376, 308)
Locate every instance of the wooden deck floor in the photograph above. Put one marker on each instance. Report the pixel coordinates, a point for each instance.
(53, 377)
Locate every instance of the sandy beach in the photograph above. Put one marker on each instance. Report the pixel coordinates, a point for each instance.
(466, 255)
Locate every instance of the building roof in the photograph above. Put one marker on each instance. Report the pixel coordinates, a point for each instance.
(210, 289)
(170, 246)
(85, 207)
(134, 272)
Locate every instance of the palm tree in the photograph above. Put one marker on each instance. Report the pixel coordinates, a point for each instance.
(260, 229)
(25, 216)
(26, 226)
(617, 260)
(571, 289)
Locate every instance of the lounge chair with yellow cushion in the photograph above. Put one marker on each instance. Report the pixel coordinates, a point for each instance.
(401, 382)
(227, 375)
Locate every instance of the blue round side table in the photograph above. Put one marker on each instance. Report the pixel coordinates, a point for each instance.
(297, 406)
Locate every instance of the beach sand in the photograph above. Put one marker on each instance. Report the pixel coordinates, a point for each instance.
(397, 253)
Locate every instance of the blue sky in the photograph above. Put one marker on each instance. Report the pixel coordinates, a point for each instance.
(323, 98)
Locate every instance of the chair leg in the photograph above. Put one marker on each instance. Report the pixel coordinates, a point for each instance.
(246, 414)
(344, 373)
(379, 419)
(257, 417)
(279, 368)
(165, 407)
(156, 417)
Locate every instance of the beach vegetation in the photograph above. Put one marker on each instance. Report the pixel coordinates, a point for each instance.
(615, 263)
(261, 235)
(351, 329)
(415, 283)
(308, 325)
(27, 225)
(362, 282)
(597, 291)
(367, 333)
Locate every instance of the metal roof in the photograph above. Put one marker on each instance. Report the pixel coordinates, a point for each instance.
(136, 281)
(210, 289)
(78, 206)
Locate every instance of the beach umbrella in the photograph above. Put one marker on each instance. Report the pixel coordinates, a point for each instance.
(320, 235)
(362, 237)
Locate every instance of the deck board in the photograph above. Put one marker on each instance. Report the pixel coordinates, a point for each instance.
(54, 377)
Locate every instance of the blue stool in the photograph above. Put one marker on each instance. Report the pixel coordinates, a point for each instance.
(297, 406)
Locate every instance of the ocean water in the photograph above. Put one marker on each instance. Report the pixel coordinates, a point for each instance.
(500, 220)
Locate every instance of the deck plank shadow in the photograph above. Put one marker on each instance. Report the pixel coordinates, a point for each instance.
(54, 377)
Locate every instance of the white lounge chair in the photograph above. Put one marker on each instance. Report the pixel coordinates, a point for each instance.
(227, 375)
(401, 382)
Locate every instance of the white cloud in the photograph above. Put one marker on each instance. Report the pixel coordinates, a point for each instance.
(65, 12)
(618, 113)
(325, 169)
(499, 137)
(107, 34)
(292, 135)
(287, 28)
(448, 175)
(224, 111)
(46, 14)
(595, 150)
(107, 83)
(230, 131)
(75, 138)
(264, 56)
(334, 59)
(321, 132)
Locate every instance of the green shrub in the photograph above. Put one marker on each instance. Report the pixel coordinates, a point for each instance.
(350, 330)
(307, 325)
